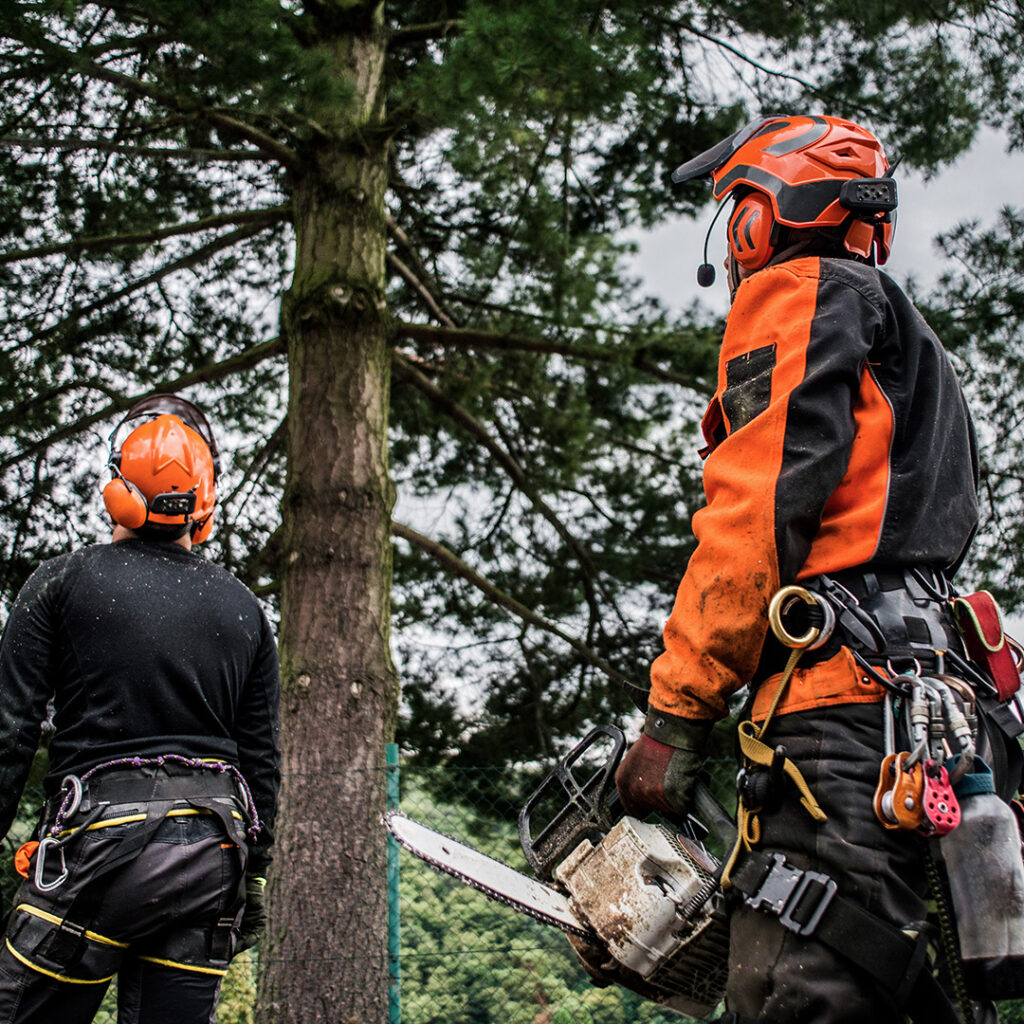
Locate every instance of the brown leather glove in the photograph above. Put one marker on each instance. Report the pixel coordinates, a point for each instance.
(660, 770)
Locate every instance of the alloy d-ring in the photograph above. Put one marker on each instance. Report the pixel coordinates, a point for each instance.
(815, 635)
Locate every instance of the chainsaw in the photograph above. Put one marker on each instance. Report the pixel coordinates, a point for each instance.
(639, 902)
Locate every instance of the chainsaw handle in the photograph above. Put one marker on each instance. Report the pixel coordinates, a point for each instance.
(588, 808)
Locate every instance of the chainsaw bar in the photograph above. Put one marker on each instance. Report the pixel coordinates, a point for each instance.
(497, 881)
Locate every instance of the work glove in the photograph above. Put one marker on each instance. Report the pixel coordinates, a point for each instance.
(254, 917)
(660, 770)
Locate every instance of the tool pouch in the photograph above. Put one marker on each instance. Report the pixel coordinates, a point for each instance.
(982, 857)
(981, 626)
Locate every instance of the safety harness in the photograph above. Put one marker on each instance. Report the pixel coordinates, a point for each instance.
(52, 931)
(893, 621)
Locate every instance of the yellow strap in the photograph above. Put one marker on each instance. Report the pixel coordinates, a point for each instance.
(748, 826)
(184, 967)
(27, 908)
(760, 753)
(53, 974)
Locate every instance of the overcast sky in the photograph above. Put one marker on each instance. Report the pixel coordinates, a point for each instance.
(976, 186)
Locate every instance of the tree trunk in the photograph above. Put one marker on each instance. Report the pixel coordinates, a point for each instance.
(324, 955)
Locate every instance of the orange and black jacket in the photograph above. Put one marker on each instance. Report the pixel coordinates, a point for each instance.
(838, 436)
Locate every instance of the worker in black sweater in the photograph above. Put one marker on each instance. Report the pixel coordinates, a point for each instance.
(152, 848)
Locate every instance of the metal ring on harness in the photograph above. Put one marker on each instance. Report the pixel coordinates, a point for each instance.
(815, 635)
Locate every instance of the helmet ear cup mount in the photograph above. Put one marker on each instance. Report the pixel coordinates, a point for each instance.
(753, 231)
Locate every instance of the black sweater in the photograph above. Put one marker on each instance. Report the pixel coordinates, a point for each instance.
(146, 649)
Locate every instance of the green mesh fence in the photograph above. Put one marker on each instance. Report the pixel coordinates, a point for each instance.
(462, 959)
(468, 960)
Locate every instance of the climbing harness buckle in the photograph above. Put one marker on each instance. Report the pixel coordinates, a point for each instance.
(799, 898)
(820, 614)
(45, 845)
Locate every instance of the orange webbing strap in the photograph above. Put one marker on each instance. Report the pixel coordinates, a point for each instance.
(756, 751)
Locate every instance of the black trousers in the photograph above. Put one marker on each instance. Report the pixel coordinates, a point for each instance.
(777, 976)
(153, 922)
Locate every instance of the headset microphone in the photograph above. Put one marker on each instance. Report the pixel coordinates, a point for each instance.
(706, 271)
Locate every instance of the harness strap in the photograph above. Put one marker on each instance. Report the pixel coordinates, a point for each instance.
(221, 940)
(748, 827)
(65, 945)
(79, 902)
(806, 902)
(758, 752)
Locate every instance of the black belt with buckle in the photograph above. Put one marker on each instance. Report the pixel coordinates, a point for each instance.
(807, 903)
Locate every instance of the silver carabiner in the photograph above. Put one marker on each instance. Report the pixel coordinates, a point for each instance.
(918, 722)
(44, 845)
(77, 791)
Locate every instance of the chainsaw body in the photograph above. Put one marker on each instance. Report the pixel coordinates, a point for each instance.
(648, 893)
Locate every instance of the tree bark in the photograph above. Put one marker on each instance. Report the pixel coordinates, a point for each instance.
(324, 955)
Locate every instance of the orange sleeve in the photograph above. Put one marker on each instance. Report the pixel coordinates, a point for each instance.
(789, 375)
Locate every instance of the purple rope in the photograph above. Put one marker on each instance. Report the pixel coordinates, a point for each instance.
(140, 762)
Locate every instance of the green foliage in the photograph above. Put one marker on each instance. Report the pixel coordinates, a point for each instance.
(468, 960)
(544, 433)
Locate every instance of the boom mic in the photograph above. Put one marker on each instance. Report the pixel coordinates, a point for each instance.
(706, 271)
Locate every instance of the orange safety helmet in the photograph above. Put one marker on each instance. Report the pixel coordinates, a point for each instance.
(164, 472)
(802, 172)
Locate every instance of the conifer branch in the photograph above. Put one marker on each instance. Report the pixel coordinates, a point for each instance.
(419, 269)
(256, 468)
(421, 290)
(472, 338)
(425, 32)
(228, 124)
(203, 375)
(240, 129)
(184, 263)
(508, 463)
(73, 143)
(273, 215)
(456, 565)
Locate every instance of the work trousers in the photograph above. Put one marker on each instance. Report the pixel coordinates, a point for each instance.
(152, 921)
(777, 976)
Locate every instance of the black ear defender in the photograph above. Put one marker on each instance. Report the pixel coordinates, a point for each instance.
(706, 271)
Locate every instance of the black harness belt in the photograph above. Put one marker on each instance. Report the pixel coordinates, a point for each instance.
(806, 902)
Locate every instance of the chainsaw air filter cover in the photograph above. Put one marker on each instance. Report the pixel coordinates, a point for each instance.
(649, 895)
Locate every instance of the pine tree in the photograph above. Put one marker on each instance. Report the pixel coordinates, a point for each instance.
(412, 215)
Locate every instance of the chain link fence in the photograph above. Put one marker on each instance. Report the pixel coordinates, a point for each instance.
(468, 960)
(463, 959)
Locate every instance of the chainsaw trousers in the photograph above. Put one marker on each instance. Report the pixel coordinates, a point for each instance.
(778, 976)
(157, 923)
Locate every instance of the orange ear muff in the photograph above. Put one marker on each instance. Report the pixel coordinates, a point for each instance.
(125, 503)
(752, 231)
(860, 238)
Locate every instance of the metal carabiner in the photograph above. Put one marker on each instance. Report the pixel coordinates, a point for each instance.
(918, 722)
(74, 783)
(44, 845)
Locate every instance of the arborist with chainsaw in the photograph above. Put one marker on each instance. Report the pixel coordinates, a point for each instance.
(152, 848)
(840, 475)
